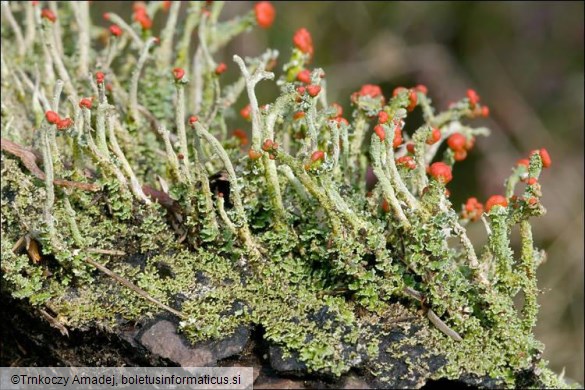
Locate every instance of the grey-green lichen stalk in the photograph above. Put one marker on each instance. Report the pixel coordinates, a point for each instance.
(127, 216)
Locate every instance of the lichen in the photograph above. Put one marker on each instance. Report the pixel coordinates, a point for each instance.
(285, 235)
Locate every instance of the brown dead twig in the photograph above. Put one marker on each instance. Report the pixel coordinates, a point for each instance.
(29, 159)
(135, 288)
(54, 322)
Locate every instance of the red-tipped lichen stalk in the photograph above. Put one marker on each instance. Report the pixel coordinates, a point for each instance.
(83, 21)
(165, 51)
(180, 120)
(134, 113)
(242, 222)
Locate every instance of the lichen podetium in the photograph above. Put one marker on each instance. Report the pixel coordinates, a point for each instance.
(113, 209)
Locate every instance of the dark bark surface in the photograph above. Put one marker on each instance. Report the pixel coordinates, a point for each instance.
(29, 340)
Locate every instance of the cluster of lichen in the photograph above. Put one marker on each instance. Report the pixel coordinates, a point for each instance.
(294, 235)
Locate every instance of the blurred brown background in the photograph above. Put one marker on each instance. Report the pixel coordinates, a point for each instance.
(525, 59)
